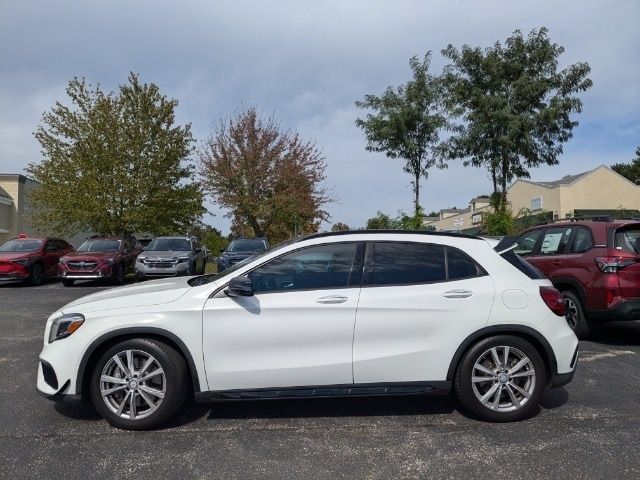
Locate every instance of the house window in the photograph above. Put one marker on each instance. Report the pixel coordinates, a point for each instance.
(536, 204)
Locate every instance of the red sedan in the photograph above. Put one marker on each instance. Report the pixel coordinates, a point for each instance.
(31, 259)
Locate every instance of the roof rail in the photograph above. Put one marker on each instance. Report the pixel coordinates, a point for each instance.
(412, 232)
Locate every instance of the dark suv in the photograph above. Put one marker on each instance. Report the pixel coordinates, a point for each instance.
(595, 264)
(240, 249)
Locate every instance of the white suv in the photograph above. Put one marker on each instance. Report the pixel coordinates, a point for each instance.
(340, 314)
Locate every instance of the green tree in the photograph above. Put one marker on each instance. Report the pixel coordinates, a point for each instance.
(114, 163)
(210, 237)
(630, 171)
(516, 107)
(340, 227)
(381, 221)
(406, 123)
(271, 181)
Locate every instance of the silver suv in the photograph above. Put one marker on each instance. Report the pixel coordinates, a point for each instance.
(171, 257)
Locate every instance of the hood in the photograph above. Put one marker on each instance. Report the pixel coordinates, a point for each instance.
(6, 256)
(89, 255)
(155, 292)
(164, 254)
(240, 254)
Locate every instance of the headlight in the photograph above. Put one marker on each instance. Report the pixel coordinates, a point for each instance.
(140, 259)
(109, 260)
(183, 259)
(62, 260)
(65, 325)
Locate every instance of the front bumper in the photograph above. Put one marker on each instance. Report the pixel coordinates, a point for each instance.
(104, 271)
(143, 270)
(13, 277)
(624, 311)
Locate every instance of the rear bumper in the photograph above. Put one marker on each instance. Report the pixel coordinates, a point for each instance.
(625, 310)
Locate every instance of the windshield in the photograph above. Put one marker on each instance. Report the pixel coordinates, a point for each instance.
(212, 277)
(628, 239)
(173, 244)
(247, 245)
(21, 246)
(100, 245)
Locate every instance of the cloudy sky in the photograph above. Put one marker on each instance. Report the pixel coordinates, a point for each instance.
(307, 62)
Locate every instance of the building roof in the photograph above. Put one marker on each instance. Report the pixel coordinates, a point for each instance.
(566, 180)
(16, 177)
(450, 210)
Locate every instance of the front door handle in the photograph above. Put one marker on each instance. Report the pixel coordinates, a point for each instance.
(332, 299)
(457, 293)
(557, 263)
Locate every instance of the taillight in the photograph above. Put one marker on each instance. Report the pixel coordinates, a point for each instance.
(613, 264)
(554, 300)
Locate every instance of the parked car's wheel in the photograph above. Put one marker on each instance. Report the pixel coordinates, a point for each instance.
(574, 313)
(139, 383)
(36, 274)
(501, 379)
(118, 274)
(140, 276)
(68, 282)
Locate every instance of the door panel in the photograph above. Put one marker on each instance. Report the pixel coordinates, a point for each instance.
(410, 333)
(279, 339)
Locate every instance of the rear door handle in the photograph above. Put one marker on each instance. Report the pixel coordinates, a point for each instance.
(332, 299)
(457, 293)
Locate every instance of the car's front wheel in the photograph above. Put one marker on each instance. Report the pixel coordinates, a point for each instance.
(139, 383)
(501, 379)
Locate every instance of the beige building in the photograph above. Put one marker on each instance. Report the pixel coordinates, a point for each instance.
(13, 203)
(600, 191)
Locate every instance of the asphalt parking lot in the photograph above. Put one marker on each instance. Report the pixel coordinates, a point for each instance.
(588, 429)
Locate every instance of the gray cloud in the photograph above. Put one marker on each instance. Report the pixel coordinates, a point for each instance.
(307, 62)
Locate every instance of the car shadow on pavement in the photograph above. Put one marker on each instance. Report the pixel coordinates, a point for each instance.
(313, 407)
(78, 412)
(617, 333)
(554, 398)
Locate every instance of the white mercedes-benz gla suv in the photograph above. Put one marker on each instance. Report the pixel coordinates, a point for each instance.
(340, 314)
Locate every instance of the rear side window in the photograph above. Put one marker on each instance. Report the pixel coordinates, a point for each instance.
(460, 265)
(628, 239)
(555, 240)
(527, 242)
(582, 240)
(396, 263)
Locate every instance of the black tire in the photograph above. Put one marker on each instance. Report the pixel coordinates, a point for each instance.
(36, 275)
(575, 316)
(534, 384)
(68, 282)
(140, 277)
(118, 274)
(176, 377)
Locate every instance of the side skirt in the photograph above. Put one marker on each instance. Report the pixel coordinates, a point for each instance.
(327, 391)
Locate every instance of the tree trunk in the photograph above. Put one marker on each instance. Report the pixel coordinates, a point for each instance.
(416, 189)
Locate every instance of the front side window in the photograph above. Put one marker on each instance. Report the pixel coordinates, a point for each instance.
(396, 263)
(555, 241)
(526, 243)
(319, 267)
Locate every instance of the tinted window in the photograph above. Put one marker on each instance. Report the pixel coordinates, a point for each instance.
(628, 239)
(555, 240)
(526, 242)
(51, 246)
(396, 263)
(460, 265)
(21, 246)
(324, 266)
(582, 240)
(247, 245)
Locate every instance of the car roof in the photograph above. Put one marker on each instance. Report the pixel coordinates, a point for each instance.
(387, 232)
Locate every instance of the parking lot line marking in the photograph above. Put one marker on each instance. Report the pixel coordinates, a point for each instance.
(600, 355)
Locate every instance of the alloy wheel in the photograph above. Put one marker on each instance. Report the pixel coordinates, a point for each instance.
(133, 384)
(503, 378)
(571, 313)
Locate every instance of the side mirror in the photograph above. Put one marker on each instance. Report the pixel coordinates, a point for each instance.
(239, 287)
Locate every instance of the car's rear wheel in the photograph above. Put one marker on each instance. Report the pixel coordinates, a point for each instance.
(139, 383)
(36, 274)
(501, 379)
(574, 313)
(68, 282)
